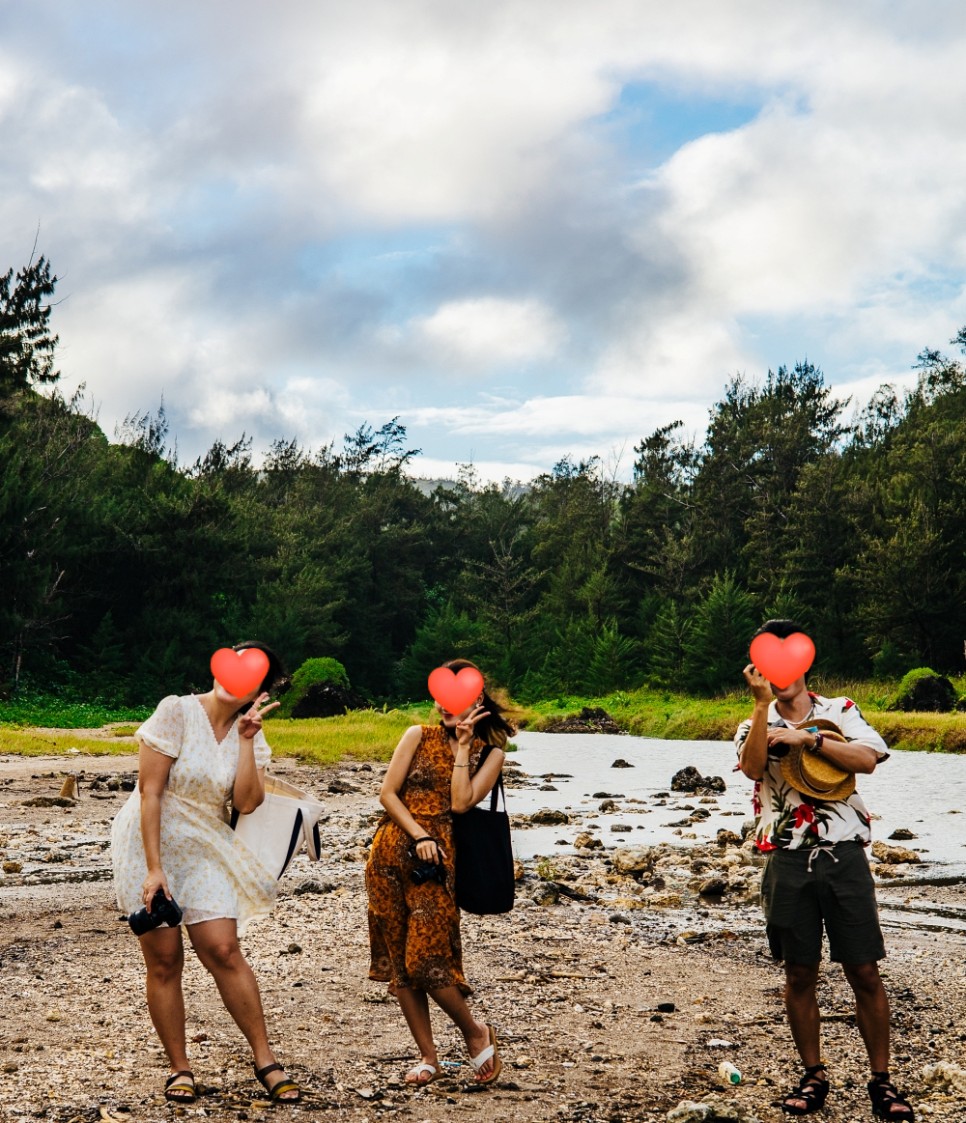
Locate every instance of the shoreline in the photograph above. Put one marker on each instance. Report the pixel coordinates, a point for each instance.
(577, 979)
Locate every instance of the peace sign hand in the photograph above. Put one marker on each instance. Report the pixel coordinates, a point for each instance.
(250, 723)
(464, 728)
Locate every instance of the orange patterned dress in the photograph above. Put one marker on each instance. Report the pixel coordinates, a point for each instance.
(414, 930)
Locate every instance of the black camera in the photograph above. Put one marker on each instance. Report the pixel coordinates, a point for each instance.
(162, 911)
(426, 871)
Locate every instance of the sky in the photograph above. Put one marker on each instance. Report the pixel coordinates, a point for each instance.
(529, 229)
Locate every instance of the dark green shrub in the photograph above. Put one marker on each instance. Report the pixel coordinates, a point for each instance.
(923, 690)
(313, 671)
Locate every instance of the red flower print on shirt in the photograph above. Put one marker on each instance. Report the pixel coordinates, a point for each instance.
(804, 813)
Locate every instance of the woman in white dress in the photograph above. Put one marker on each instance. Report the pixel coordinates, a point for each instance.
(197, 754)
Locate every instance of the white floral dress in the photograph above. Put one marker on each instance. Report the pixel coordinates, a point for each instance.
(210, 872)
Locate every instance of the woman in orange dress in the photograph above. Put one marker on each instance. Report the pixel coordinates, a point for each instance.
(414, 925)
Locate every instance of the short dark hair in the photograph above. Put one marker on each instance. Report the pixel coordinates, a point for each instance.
(781, 628)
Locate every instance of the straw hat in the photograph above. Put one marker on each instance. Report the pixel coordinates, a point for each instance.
(813, 775)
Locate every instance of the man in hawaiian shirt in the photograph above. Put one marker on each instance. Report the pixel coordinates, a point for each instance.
(817, 873)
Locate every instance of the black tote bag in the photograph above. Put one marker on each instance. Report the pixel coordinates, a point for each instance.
(485, 883)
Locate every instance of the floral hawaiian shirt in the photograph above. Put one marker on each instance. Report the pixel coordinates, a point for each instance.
(786, 819)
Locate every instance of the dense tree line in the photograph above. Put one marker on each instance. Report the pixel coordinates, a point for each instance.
(121, 570)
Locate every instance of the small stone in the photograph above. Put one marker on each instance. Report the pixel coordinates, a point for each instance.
(902, 834)
(893, 855)
(549, 817)
(621, 763)
(666, 1007)
(713, 887)
(313, 886)
(546, 895)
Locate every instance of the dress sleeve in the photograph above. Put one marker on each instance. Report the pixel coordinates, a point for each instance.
(263, 754)
(164, 729)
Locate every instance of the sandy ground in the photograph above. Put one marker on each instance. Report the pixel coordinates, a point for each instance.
(614, 995)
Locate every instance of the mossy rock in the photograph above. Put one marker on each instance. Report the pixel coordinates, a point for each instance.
(322, 675)
(924, 690)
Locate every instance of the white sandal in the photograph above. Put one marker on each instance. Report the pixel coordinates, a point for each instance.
(418, 1071)
(481, 1058)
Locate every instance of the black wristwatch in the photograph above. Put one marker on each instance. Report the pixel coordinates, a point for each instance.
(816, 745)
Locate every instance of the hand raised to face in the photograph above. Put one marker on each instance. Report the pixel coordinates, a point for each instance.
(251, 721)
(467, 722)
(760, 686)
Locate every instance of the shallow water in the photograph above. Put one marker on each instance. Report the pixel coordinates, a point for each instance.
(924, 792)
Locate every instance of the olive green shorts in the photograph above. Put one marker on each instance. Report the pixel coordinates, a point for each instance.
(803, 891)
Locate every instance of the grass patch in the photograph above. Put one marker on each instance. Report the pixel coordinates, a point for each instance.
(358, 735)
(32, 742)
(371, 735)
(51, 712)
(678, 717)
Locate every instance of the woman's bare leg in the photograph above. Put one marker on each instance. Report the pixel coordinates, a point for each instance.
(163, 953)
(476, 1034)
(216, 942)
(415, 1008)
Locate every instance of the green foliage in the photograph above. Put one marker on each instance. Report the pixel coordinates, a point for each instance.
(320, 669)
(613, 661)
(448, 633)
(667, 642)
(921, 689)
(26, 345)
(890, 662)
(122, 571)
(50, 711)
(716, 648)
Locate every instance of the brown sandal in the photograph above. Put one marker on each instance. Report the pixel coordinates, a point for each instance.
(276, 1092)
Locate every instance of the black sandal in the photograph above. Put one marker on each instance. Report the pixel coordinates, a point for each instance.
(278, 1090)
(810, 1090)
(885, 1096)
(178, 1082)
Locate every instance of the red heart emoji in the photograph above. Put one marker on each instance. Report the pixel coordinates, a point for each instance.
(782, 661)
(239, 672)
(456, 692)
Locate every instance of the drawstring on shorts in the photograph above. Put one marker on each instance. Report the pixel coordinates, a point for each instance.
(821, 849)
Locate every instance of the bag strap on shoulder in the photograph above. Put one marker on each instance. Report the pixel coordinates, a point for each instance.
(497, 789)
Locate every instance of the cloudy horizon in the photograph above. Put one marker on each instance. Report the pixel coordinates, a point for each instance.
(529, 230)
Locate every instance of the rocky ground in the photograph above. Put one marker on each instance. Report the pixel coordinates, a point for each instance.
(617, 985)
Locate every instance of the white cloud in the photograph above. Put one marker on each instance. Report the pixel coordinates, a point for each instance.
(196, 184)
(488, 332)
